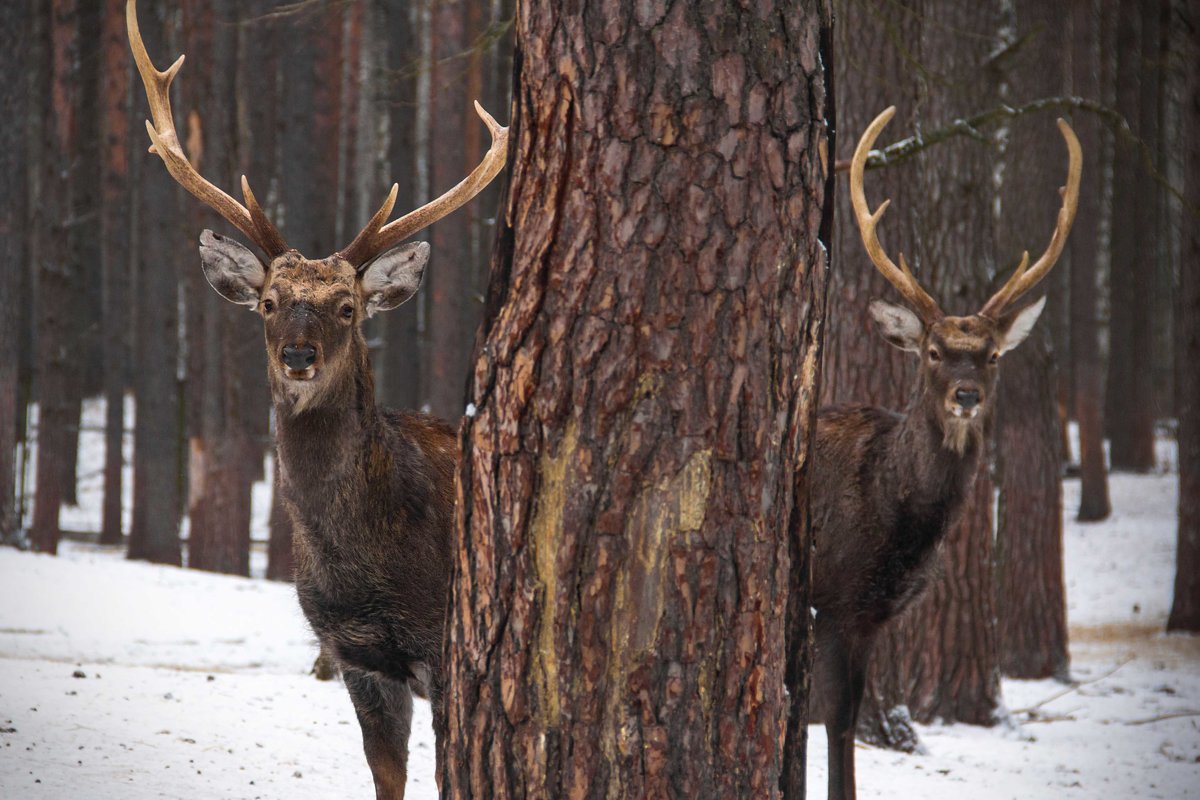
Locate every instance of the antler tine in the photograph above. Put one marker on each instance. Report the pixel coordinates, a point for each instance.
(373, 240)
(358, 252)
(166, 145)
(1025, 279)
(900, 277)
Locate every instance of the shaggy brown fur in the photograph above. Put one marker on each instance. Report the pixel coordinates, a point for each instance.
(886, 488)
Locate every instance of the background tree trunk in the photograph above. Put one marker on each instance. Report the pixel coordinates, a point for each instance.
(58, 275)
(157, 461)
(1129, 403)
(399, 364)
(1084, 250)
(222, 441)
(115, 206)
(645, 391)
(1185, 610)
(1031, 600)
(16, 27)
(454, 147)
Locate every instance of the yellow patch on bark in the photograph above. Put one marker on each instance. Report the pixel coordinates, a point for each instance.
(546, 538)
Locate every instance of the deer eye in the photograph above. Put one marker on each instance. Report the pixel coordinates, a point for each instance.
(994, 358)
(347, 311)
(268, 305)
(934, 355)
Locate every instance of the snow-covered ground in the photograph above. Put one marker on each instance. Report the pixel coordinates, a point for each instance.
(130, 681)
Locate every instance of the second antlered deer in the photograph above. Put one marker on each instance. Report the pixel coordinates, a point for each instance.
(887, 487)
(370, 491)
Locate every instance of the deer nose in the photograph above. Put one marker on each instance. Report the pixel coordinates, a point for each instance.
(299, 357)
(967, 398)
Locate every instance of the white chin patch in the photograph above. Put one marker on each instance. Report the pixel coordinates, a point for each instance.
(964, 413)
(957, 431)
(306, 374)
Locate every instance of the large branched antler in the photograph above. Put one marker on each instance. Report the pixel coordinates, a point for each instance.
(377, 237)
(900, 277)
(1026, 277)
(250, 221)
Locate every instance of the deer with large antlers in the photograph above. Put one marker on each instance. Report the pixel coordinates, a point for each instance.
(887, 487)
(370, 492)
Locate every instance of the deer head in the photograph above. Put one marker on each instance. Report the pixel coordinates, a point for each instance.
(960, 356)
(312, 309)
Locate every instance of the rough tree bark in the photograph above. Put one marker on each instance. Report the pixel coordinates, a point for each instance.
(1185, 609)
(940, 659)
(645, 388)
(116, 145)
(1031, 602)
(15, 28)
(1129, 393)
(1084, 251)
(58, 418)
(157, 459)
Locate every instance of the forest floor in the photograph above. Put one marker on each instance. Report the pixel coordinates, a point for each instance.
(127, 680)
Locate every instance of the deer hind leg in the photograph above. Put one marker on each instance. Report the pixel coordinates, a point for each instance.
(384, 710)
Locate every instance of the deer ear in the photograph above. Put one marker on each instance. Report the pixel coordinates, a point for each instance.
(393, 277)
(231, 269)
(1015, 326)
(901, 327)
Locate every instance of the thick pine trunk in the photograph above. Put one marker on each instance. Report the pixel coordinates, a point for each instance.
(1130, 396)
(1185, 609)
(1084, 252)
(16, 25)
(157, 459)
(1031, 601)
(645, 388)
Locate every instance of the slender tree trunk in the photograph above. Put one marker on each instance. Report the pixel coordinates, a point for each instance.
(311, 55)
(1129, 404)
(1031, 601)
(16, 25)
(646, 387)
(259, 86)
(1185, 609)
(115, 93)
(1084, 249)
(56, 272)
(280, 560)
(226, 336)
(157, 460)
(451, 295)
(940, 659)
(399, 365)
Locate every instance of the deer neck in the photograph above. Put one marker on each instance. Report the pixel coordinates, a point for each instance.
(935, 465)
(320, 431)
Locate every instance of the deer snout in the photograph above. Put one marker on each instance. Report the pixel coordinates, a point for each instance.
(967, 398)
(299, 357)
